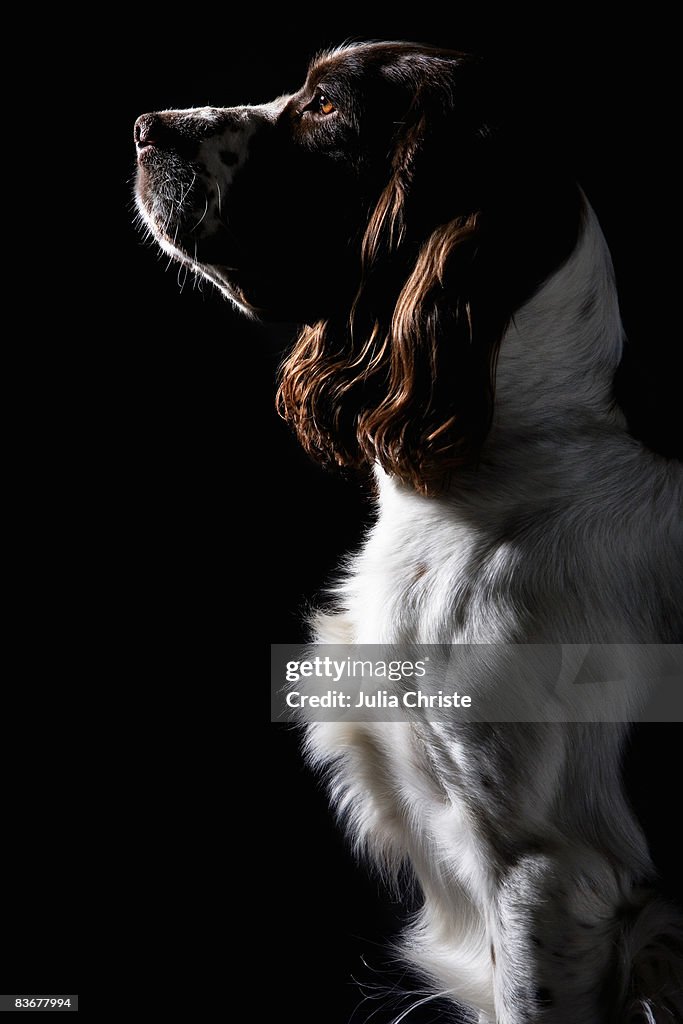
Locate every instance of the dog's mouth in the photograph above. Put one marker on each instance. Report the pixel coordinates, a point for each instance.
(146, 151)
(182, 215)
(181, 211)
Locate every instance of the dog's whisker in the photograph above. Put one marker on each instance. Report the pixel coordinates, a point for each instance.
(187, 190)
(206, 208)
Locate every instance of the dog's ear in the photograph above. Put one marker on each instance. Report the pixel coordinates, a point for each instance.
(407, 380)
(436, 400)
(440, 154)
(456, 241)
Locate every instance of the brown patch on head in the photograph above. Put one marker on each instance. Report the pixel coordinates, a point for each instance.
(402, 372)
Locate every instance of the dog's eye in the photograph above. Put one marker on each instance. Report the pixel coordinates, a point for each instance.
(323, 105)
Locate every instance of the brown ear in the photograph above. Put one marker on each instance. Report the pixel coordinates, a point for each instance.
(439, 379)
(410, 386)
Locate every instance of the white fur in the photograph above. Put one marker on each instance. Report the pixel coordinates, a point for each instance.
(567, 532)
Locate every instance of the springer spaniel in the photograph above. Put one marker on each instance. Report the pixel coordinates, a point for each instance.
(461, 339)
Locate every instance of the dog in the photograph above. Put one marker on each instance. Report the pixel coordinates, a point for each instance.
(460, 342)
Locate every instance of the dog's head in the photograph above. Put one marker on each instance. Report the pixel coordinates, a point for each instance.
(401, 208)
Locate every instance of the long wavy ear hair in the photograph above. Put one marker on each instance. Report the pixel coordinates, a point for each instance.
(471, 220)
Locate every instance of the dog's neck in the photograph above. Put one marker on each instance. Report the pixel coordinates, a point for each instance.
(558, 358)
(555, 417)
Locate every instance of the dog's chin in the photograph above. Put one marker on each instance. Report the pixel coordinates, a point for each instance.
(254, 295)
(229, 281)
(265, 293)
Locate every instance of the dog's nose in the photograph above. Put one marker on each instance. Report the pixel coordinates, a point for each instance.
(151, 130)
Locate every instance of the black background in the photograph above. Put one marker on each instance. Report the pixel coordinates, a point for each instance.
(168, 528)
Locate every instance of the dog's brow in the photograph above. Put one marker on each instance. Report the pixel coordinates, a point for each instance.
(318, 70)
(333, 62)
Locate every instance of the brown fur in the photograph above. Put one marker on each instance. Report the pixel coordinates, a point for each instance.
(405, 377)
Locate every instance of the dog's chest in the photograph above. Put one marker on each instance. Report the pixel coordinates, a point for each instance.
(424, 575)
